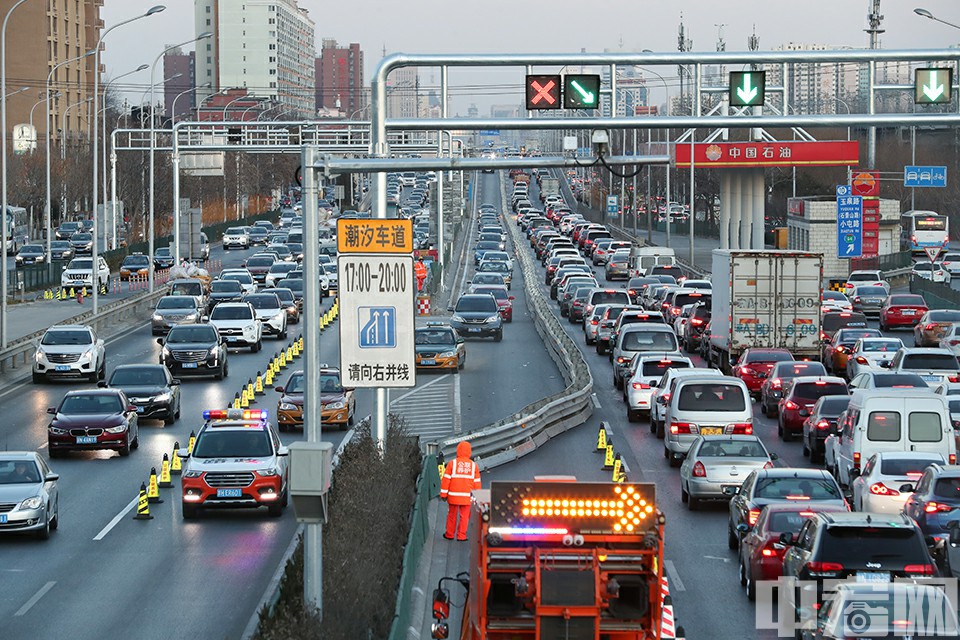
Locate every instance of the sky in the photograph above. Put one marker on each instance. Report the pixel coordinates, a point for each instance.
(556, 26)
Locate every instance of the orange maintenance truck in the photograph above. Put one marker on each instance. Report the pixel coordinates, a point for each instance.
(557, 558)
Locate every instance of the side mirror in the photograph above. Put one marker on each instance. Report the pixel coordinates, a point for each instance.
(886, 364)
(787, 538)
(511, 298)
(204, 318)
(804, 413)
(954, 535)
(160, 341)
(907, 488)
(131, 407)
(174, 382)
(52, 410)
(278, 389)
(51, 477)
(183, 453)
(283, 451)
(854, 473)
(102, 384)
(774, 456)
(743, 527)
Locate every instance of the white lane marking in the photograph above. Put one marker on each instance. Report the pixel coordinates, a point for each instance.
(457, 424)
(595, 400)
(717, 558)
(116, 519)
(675, 582)
(44, 445)
(36, 598)
(418, 389)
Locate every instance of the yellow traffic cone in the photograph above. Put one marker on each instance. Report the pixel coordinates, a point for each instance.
(165, 472)
(300, 341)
(192, 441)
(236, 401)
(608, 457)
(268, 379)
(289, 354)
(84, 291)
(176, 465)
(244, 401)
(258, 384)
(59, 294)
(72, 293)
(153, 492)
(616, 468)
(602, 438)
(250, 390)
(143, 505)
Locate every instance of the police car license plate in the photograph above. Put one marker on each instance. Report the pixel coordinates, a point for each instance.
(63, 367)
(229, 493)
(189, 365)
(86, 439)
(425, 362)
(880, 577)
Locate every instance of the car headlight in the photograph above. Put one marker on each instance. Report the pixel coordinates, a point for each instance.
(287, 406)
(192, 474)
(250, 328)
(165, 352)
(163, 397)
(19, 258)
(334, 405)
(118, 429)
(191, 316)
(447, 354)
(56, 431)
(157, 317)
(269, 472)
(31, 503)
(86, 355)
(456, 318)
(493, 318)
(39, 355)
(279, 317)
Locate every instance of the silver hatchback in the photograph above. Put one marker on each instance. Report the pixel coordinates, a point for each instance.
(716, 466)
(29, 494)
(868, 299)
(707, 406)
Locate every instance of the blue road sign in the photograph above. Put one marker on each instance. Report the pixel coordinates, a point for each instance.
(612, 209)
(378, 327)
(490, 132)
(919, 176)
(849, 223)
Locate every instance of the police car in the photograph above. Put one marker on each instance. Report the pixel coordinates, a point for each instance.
(237, 462)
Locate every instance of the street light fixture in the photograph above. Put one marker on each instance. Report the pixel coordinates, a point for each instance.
(96, 90)
(173, 108)
(926, 14)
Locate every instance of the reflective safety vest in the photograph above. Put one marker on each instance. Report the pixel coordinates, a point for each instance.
(420, 270)
(460, 478)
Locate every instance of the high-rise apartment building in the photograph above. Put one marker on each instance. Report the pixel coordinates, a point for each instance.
(403, 89)
(41, 35)
(179, 89)
(339, 73)
(264, 46)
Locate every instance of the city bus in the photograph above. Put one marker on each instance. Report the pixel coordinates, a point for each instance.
(923, 229)
(18, 228)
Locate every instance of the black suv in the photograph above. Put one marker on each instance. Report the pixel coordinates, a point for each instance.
(859, 546)
(194, 349)
(223, 291)
(821, 423)
(694, 328)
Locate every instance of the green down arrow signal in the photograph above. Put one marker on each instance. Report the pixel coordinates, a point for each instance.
(588, 97)
(933, 90)
(746, 92)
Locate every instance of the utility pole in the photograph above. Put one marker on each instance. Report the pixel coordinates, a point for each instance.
(874, 18)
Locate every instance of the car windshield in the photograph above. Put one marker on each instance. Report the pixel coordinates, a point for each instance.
(906, 301)
(927, 361)
(66, 337)
(231, 312)
(797, 369)
(90, 404)
(235, 231)
(31, 248)
(834, 406)
(176, 302)
(890, 380)
(81, 237)
(879, 346)
(263, 301)
(786, 521)
(225, 286)
(496, 267)
(472, 304)
(487, 278)
(80, 264)
(942, 315)
(731, 449)
(849, 336)
(294, 284)
(649, 341)
(260, 262)
(769, 356)
(658, 367)
(242, 278)
(435, 336)
(283, 267)
(187, 288)
(610, 297)
(488, 246)
(711, 396)
(801, 488)
(859, 545)
(136, 261)
(19, 472)
(810, 391)
(284, 295)
(295, 384)
(138, 376)
(871, 291)
(186, 334)
(497, 292)
(907, 467)
(162, 252)
(231, 443)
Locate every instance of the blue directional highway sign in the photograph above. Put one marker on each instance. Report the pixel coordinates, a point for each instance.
(612, 208)
(849, 223)
(378, 327)
(917, 176)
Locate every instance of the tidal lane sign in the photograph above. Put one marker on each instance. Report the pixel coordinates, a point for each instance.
(375, 236)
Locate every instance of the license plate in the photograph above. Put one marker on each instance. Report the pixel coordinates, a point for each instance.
(86, 439)
(3, 518)
(189, 365)
(232, 338)
(729, 489)
(473, 330)
(78, 283)
(140, 409)
(875, 577)
(908, 312)
(229, 493)
(63, 367)
(428, 362)
(931, 378)
(711, 431)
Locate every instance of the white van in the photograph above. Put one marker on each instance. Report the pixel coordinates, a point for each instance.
(889, 420)
(637, 338)
(703, 406)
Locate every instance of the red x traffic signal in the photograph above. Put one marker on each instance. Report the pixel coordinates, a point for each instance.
(543, 92)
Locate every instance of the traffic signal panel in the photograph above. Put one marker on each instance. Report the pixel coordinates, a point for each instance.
(543, 92)
(932, 86)
(581, 91)
(747, 88)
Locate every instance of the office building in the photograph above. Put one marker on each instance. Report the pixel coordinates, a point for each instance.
(339, 73)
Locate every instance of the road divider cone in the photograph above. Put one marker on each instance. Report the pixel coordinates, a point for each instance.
(60, 293)
(300, 342)
(143, 505)
(244, 400)
(296, 349)
(153, 491)
(192, 441)
(236, 401)
(268, 379)
(250, 390)
(608, 457)
(176, 464)
(165, 472)
(72, 293)
(602, 438)
(289, 354)
(617, 466)
(258, 384)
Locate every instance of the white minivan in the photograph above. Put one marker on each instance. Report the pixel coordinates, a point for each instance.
(704, 406)
(889, 420)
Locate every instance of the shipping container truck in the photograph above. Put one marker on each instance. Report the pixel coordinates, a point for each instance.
(549, 187)
(765, 299)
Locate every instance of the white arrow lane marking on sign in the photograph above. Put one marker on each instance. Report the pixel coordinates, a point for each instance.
(746, 92)
(849, 248)
(933, 90)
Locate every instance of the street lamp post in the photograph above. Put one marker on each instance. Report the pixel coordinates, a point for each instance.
(666, 93)
(96, 90)
(173, 108)
(175, 160)
(926, 14)
(113, 204)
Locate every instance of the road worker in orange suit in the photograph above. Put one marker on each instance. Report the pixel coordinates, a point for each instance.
(460, 477)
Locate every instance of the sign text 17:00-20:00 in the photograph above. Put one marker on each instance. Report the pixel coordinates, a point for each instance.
(361, 277)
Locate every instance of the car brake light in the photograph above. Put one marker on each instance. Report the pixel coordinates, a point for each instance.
(699, 471)
(857, 299)
(621, 359)
(953, 378)
(934, 507)
(861, 360)
(666, 397)
(752, 516)
(791, 405)
(856, 459)
(823, 424)
(768, 553)
(769, 465)
(798, 497)
(822, 568)
(594, 321)
(880, 489)
(776, 383)
(675, 311)
(841, 349)
(747, 371)
(696, 322)
(953, 458)
(820, 383)
(930, 326)
(742, 428)
(640, 385)
(921, 569)
(681, 427)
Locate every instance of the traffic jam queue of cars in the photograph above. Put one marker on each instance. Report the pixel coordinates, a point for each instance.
(199, 324)
(877, 414)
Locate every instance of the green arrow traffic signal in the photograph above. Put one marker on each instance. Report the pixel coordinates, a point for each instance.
(747, 88)
(932, 86)
(581, 91)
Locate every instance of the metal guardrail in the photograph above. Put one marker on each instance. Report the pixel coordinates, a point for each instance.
(524, 431)
(20, 353)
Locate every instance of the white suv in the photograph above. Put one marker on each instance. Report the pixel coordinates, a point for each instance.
(69, 350)
(270, 312)
(238, 324)
(79, 273)
(236, 237)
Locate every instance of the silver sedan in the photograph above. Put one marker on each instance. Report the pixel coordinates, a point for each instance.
(716, 466)
(29, 495)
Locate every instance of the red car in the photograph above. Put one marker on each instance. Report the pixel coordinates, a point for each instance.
(754, 366)
(902, 310)
(504, 300)
(799, 396)
(92, 419)
(761, 552)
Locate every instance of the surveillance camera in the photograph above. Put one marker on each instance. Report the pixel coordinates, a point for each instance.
(600, 139)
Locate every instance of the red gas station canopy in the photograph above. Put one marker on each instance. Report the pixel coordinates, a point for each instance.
(768, 154)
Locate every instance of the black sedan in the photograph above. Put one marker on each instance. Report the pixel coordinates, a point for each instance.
(61, 250)
(150, 388)
(223, 291)
(163, 258)
(91, 420)
(194, 349)
(31, 254)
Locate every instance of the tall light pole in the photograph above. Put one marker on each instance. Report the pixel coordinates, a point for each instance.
(96, 90)
(56, 94)
(666, 93)
(223, 118)
(927, 14)
(46, 205)
(113, 205)
(3, 145)
(173, 108)
(176, 161)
